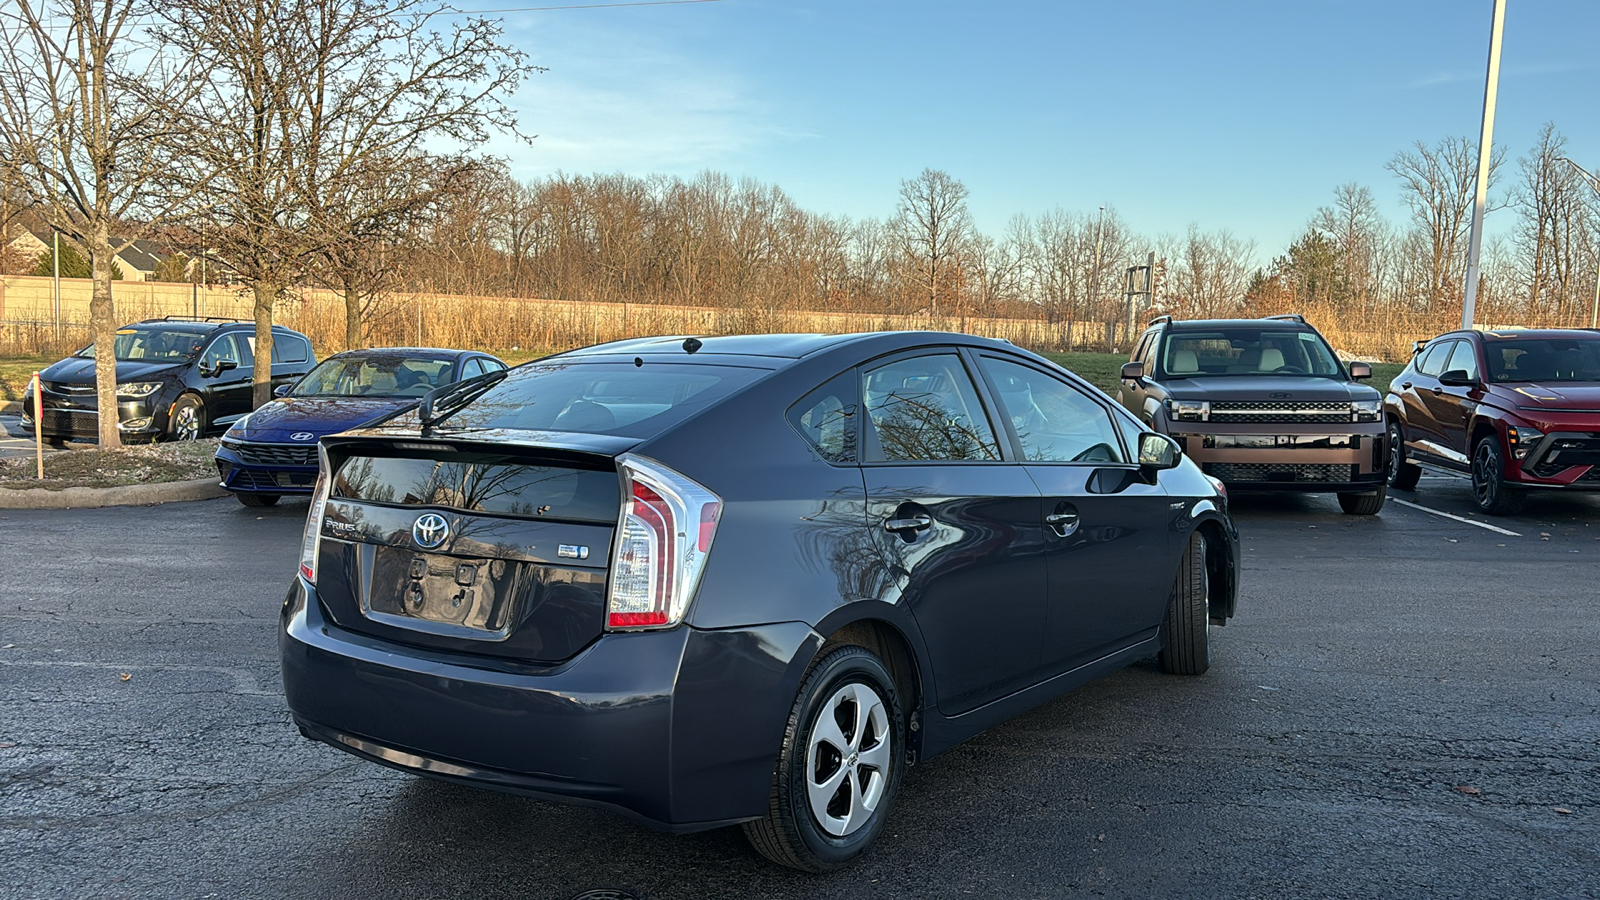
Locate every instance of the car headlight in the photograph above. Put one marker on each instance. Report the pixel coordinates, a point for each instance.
(138, 389)
(1522, 440)
(1366, 410)
(1189, 410)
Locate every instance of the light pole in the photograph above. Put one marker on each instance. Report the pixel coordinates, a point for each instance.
(1594, 185)
(1469, 296)
(1094, 278)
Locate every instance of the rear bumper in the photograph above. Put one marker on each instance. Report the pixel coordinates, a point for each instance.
(1288, 457)
(679, 729)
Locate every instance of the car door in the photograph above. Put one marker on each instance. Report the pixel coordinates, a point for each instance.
(1131, 392)
(1417, 386)
(227, 393)
(1452, 405)
(1109, 548)
(959, 524)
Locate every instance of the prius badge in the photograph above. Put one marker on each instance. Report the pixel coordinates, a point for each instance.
(430, 531)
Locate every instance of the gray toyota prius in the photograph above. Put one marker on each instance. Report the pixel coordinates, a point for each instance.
(741, 580)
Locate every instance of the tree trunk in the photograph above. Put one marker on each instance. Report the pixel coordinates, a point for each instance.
(103, 317)
(352, 318)
(266, 293)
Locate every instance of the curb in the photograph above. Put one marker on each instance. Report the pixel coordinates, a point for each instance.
(92, 498)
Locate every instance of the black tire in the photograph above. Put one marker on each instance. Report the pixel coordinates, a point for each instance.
(1403, 474)
(257, 500)
(56, 443)
(1185, 635)
(791, 834)
(188, 419)
(1489, 488)
(1363, 503)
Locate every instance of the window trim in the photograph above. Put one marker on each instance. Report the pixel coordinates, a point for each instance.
(854, 375)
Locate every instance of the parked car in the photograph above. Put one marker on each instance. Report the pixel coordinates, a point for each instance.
(1262, 404)
(273, 451)
(178, 378)
(741, 580)
(1514, 410)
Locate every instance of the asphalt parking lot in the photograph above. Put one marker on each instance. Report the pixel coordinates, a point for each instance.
(1405, 706)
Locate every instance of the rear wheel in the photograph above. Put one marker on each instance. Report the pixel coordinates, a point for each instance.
(257, 500)
(1403, 475)
(188, 421)
(1186, 634)
(839, 766)
(1489, 488)
(1364, 503)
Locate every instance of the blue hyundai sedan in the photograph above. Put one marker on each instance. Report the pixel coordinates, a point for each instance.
(273, 451)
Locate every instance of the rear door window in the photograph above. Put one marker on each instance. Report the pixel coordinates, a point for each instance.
(925, 409)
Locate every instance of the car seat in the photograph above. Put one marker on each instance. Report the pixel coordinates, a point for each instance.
(584, 415)
(1183, 362)
(1271, 360)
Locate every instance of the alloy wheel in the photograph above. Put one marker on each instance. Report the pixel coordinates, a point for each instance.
(1485, 476)
(1397, 453)
(848, 759)
(186, 423)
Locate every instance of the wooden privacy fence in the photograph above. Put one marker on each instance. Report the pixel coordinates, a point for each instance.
(28, 322)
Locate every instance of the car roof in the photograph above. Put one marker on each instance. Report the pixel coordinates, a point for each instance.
(772, 351)
(206, 324)
(411, 352)
(1204, 324)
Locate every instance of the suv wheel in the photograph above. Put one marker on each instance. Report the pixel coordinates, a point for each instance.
(1489, 488)
(1363, 503)
(1403, 474)
(838, 768)
(188, 420)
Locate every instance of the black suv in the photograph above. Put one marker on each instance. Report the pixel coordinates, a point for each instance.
(1262, 404)
(177, 377)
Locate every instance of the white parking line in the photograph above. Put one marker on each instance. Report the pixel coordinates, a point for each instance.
(1494, 528)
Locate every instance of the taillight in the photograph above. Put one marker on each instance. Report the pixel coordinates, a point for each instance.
(311, 541)
(663, 535)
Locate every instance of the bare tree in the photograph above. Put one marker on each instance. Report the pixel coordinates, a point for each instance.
(321, 100)
(1440, 184)
(93, 121)
(1357, 232)
(1556, 221)
(933, 225)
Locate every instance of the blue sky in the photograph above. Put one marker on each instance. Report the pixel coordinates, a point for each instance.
(1233, 115)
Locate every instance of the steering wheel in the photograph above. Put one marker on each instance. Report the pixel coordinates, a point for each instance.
(1101, 452)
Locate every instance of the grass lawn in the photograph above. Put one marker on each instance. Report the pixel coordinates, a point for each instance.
(15, 372)
(139, 464)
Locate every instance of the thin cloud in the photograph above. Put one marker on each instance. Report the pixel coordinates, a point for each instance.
(1524, 71)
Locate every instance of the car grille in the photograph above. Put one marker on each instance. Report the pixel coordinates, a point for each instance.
(71, 390)
(1288, 473)
(61, 421)
(1252, 411)
(1590, 477)
(274, 454)
(1567, 451)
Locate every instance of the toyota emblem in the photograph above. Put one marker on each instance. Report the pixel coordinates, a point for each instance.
(430, 531)
(303, 436)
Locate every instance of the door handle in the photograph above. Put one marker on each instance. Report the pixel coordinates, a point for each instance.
(909, 523)
(1406, 385)
(1063, 522)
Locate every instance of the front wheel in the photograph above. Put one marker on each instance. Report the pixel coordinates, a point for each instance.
(839, 766)
(1403, 474)
(188, 421)
(1365, 503)
(1489, 488)
(1186, 634)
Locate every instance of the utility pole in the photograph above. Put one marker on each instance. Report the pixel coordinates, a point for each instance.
(1469, 297)
(55, 261)
(1594, 185)
(1094, 278)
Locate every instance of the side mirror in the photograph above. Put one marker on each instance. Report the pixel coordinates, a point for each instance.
(220, 366)
(1157, 451)
(1458, 378)
(1132, 371)
(1359, 371)
(282, 390)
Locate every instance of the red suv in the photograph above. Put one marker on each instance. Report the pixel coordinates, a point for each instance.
(1513, 409)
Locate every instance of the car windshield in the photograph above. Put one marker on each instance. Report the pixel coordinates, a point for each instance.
(154, 343)
(601, 398)
(1543, 359)
(375, 376)
(1248, 351)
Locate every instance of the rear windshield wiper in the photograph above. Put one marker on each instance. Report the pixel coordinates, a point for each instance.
(441, 403)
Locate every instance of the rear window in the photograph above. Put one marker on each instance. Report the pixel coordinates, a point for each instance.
(602, 398)
(513, 489)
